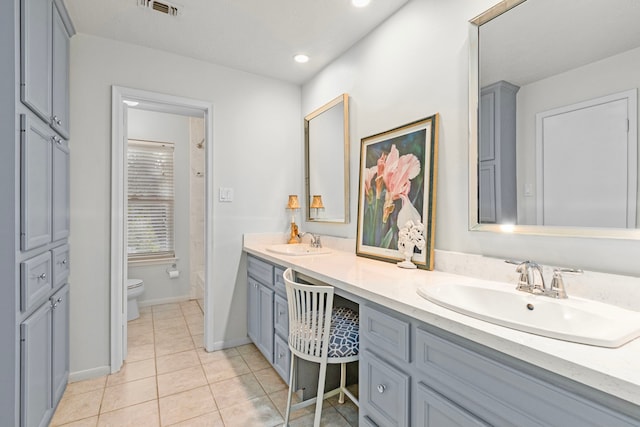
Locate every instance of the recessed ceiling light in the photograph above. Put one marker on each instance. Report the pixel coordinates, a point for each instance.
(301, 58)
(131, 103)
(360, 3)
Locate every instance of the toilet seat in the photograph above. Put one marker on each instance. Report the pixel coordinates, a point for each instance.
(134, 283)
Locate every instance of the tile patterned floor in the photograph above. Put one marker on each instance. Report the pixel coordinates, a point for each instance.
(169, 380)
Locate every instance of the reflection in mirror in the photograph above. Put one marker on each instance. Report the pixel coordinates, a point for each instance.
(327, 162)
(553, 116)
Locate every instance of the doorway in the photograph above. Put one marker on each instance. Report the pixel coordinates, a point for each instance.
(121, 99)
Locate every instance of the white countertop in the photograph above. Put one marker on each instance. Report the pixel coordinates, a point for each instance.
(613, 371)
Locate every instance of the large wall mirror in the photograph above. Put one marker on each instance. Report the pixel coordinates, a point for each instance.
(553, 118)
(326, 142)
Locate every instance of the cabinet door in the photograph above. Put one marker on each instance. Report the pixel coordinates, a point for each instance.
(60, 70)
(435, 410)
(35, 357)
(35, 60)
(487, 189)
(384, 392)
(60, 190)
(35, 180)
(265, 342)
(253, 310)
(60, 342)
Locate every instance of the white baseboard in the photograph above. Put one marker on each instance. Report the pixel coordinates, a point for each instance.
(89, 374)
(220, 345)
(159, 301)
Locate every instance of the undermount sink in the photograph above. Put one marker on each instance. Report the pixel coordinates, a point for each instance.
(572, 319)
(298, 249)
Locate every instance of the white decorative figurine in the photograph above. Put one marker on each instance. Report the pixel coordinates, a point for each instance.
(410, 236)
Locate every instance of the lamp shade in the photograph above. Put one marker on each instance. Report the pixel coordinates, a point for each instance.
(293, 202)
(316, 202)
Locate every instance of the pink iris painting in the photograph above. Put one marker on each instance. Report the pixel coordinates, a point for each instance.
(393, 185)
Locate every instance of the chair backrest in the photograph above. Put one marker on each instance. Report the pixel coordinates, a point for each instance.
(310, 309)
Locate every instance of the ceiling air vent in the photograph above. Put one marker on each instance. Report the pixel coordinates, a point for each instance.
(161, 6)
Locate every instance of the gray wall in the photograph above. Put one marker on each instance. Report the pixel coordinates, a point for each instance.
(257, 133)
(414, 65)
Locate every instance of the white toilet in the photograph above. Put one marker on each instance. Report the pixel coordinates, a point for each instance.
(135, 288)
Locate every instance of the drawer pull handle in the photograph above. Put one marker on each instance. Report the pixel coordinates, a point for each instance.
(42, 276)
(381, 388)
(280, 355)
(64, 262)
(281, 313)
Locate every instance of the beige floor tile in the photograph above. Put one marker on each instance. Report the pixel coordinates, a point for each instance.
(235, 390)
(86, 385)
(136, 329)
(86, 422)
(179, 381)
(258, 412)
(174, 346)
(127, 394)
(348, 410)
(212, 419)
(188, 404)
(132, 371)
(141, 415)
(191, 309)
(145, 318)
(198, 341)
(270, 380)
(177, 331)
(256, 361)
(330, 418)
(146, 309)
(279, 399)
(173, 313)
(140, 338)
(171, 322)
(77, 406)
(196, 328)
(213, 356)
(247, 348)
(225, 368)
(137, 352)
(165, 307)
(193, 317)
(177, 361)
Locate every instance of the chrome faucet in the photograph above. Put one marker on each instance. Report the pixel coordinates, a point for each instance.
(315, 239)
(527, 281)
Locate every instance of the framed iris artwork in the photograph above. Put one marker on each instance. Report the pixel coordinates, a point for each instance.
(398, 172)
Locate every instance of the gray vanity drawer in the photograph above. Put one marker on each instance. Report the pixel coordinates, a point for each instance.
(500, 394)
(385, 394)
(280, 316)
(260, 270)
(35, 280)
(281, 357)
(433, 410)
(278, 279)
(60, 257)
(385, 332)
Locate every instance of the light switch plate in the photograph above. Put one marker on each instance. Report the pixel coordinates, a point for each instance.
(225, 194)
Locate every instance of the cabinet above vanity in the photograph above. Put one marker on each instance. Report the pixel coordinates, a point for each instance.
(601, 382)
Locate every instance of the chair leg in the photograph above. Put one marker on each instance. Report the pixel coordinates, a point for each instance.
(343, 381)
(320, 399)
(292, 384)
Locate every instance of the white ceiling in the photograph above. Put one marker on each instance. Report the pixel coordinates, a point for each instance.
(541, 38)
(258, 36)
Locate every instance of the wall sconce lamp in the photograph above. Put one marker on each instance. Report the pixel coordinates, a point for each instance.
(293, 205)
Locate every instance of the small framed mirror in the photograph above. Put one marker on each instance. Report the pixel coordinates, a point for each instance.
(326, 147)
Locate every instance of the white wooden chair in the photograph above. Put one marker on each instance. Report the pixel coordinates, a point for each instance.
(321, 334)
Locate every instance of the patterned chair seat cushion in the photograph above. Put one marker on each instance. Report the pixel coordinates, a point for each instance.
(344, 336)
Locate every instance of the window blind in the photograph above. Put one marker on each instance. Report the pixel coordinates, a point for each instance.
(150, 218)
